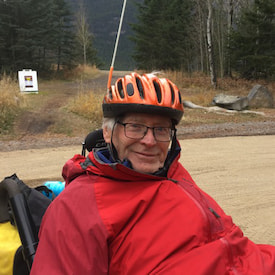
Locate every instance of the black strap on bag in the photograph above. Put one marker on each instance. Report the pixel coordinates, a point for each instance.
(20, 266)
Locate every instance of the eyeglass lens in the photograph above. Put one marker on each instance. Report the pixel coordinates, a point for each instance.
(138, 131)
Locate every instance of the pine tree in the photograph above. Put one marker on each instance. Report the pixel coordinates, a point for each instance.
(253, 41)
(11, 17)
(36, 34)
(64, 38)
(3, 33)
(43, 26)
(160, 37)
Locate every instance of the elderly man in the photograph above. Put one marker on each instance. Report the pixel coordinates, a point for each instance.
(131, 208)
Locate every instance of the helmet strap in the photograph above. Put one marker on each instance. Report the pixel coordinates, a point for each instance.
(112, 147)
(170, 157)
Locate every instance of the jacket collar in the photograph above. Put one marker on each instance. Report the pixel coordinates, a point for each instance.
(100, 162)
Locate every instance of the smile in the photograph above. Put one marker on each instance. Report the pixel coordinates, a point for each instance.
(145, 155)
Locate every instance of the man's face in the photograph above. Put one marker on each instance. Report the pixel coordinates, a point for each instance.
(146, 155)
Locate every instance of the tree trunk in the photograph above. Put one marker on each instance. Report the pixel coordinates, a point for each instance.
(201, 36)
(83, 34)
(229, 28)
(84, 54)
(58, 58)
(210, 46)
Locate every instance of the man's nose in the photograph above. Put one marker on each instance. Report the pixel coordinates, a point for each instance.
(149, 137)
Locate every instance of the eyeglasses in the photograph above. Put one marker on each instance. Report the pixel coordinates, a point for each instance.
(139, 131)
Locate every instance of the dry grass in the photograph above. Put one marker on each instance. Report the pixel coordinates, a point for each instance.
(197, 87)
(71, 105)
(11, 101)
(82, 72)
(87, 105)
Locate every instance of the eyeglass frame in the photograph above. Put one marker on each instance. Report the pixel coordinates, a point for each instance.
(172, 131)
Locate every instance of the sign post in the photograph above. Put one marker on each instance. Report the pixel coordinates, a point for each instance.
(28, 81)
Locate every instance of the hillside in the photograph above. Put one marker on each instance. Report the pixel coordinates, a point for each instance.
(103, 17)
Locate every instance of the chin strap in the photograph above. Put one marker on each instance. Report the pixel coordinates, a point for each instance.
(112, 148)
(170, 157)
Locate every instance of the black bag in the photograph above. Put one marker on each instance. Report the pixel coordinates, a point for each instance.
(24, 207)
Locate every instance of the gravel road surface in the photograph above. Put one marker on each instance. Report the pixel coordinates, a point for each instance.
(239, 172)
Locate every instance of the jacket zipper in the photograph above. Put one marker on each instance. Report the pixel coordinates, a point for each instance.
(200, 208)
(230, 256)
(223, 240)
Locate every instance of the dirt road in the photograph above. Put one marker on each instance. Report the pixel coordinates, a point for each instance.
(239, 172)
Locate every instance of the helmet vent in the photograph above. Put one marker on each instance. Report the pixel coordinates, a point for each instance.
(158, 91)
(120, 88)
(130, 89)
(172, 94)
(140, 88)
(180, 97)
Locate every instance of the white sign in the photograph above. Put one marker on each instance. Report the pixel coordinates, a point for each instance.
(28, 81)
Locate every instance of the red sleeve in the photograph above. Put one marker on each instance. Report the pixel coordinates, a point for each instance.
(72, 238)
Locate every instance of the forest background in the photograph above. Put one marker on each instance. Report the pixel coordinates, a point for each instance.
(216, 37)
(227, 45)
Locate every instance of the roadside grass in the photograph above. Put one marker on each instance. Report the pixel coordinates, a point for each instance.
(85, 103)
(81, 72)
(198, 89)
(195, 88)
(11, 102)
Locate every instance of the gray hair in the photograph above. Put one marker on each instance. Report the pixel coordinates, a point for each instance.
(108, 122)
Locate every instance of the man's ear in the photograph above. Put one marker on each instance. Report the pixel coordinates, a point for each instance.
(107, 133)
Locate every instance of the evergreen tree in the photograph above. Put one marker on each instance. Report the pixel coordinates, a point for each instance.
(43, 26)
(36, 34)
(253, 41)
(64, 38)
(10, 16)
(161, 37)
(3, 33)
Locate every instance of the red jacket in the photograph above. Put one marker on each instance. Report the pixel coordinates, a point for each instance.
(113, 220)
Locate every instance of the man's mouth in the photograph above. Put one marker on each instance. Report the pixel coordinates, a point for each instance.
(146, 154)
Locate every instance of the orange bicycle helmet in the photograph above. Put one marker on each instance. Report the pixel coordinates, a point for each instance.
(143, 94)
